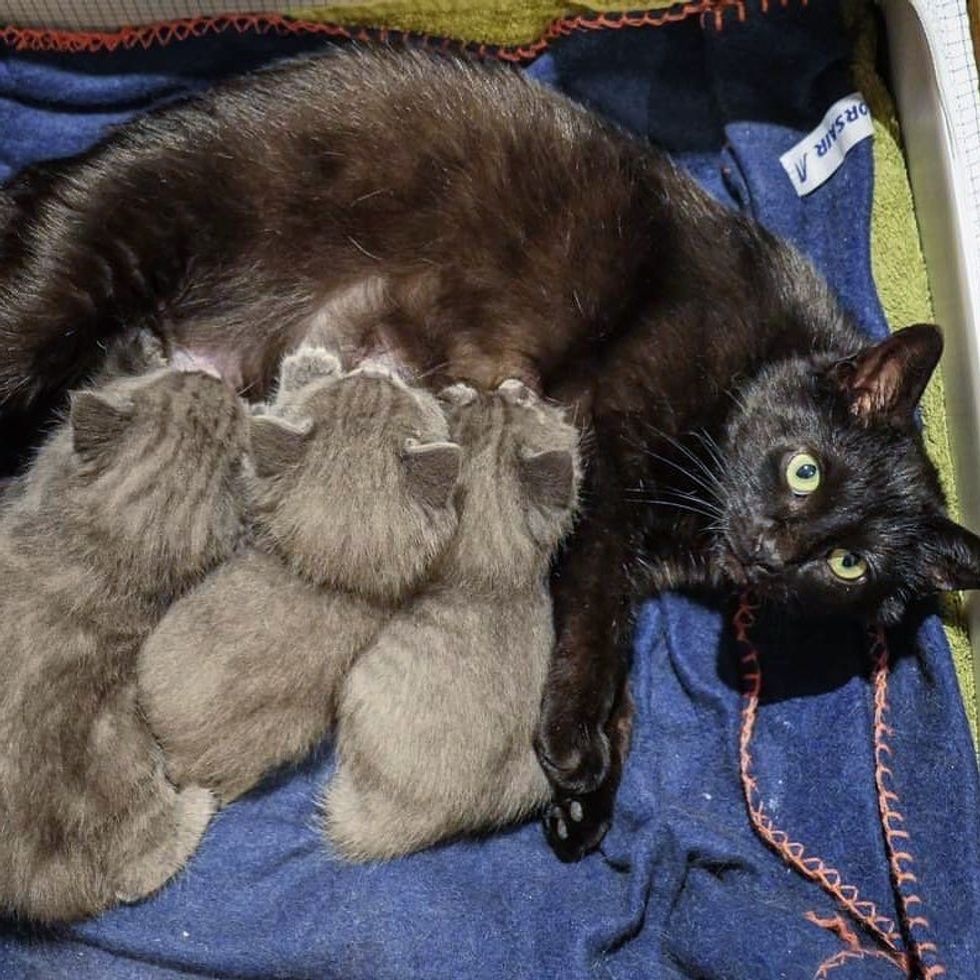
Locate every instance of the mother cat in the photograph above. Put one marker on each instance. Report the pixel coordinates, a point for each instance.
(473, 226)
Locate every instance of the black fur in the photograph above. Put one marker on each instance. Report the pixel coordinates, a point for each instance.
(473, 226)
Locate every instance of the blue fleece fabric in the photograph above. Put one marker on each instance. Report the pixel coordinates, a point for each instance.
(682, 887)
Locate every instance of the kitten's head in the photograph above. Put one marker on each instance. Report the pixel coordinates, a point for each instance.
(519, 483)
(354, 476)
(829, 497)
(154, 474)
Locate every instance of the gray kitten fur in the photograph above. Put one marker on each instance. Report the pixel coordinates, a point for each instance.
(129, 503)
(351, 503)
(435, 721)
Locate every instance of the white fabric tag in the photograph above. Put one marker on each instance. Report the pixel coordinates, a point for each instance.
(817, 156)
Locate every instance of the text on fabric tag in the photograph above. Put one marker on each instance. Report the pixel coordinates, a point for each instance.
(818, 155)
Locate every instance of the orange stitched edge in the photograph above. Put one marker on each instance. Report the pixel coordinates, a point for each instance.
(925, 954)
(792, 852)
(166, 32)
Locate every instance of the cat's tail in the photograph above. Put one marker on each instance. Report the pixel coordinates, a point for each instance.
(78, 266)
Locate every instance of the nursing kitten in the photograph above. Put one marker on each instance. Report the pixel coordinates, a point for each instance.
(351, 502)
(436, 720)
(131, 501)
(476, 226)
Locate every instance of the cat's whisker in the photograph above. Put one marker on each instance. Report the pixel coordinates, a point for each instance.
(713, 490)
(429, 372)
(693, 457)
(676, 505)
(693, 498)
(711, 446)
(737, 398)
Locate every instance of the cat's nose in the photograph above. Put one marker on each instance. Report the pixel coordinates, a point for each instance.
(761, 549)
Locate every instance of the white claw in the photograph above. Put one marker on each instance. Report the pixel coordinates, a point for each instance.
(516, 391)
(458, 394)
(575, 811)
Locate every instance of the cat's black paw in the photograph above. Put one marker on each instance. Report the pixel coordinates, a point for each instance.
(575, 759)
(575, 826)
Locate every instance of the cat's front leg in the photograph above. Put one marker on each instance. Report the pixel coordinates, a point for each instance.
(576, 825)
(585, 683)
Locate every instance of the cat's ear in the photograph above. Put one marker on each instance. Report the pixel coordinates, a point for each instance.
(97, 422)
(306, 365)
(432, 469)
(954, 557)
(276, 443)
(885, 382)
(549, 478)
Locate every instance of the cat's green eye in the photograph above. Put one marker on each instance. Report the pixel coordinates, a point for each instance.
(803, 474)
(846, 565)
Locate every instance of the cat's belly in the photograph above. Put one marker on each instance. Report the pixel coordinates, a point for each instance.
(399, 324)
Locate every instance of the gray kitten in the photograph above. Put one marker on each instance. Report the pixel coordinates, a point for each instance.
(132, 500)
(436, 719)
(352, 502)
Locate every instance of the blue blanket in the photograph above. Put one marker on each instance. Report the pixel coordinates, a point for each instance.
(686, 884)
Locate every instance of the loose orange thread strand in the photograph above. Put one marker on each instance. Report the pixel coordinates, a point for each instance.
(843, 956)
(837, 925)
(792, 852)
(167, 32)
(924, 954)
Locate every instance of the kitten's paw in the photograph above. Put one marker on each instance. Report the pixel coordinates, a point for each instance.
(459, 394)
(306, 365)
(193, 809)
(516, 392)
(575, 825)
(575, 758)
(371, 368)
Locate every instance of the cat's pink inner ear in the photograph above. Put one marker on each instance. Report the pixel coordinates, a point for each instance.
(432, 470)
(887, 380)
(549, 478)
(276, 443)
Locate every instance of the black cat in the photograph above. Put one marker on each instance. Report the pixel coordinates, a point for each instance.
(474, 226)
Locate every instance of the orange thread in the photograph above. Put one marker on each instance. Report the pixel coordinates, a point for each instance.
(857, 953)
(836, 925)
(925, 954)
(792, 852)
(166, 32)
(855, 950)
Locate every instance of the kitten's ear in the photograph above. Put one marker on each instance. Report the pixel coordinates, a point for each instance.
(277, 444)
(954, 557)
(306, 365)
(432, 469)
(549, 478)
(97, 422)
(886, 381)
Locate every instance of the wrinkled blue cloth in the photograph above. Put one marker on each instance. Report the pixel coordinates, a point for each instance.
(683, 887)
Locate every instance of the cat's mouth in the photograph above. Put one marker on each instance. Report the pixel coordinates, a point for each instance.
(742, 570)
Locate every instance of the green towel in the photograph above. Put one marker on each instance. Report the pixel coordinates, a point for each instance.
(509, 22)
(903, 286)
